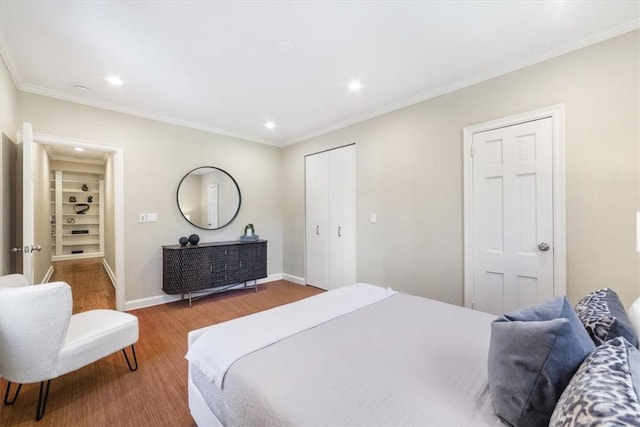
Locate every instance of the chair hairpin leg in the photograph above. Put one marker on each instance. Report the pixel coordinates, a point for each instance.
(135, 359)
(42, 401)
(15, 396)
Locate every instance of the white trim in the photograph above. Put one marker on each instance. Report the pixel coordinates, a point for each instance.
(556, 113)
(415, 99)
(165, 299)
(295, 279)
(85, 255)
(118, 159)
(561, 50)
(39, 90)
(109, 271)
(48, 275)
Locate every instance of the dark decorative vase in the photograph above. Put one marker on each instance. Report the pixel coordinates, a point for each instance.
(194, 239)
(183, 241)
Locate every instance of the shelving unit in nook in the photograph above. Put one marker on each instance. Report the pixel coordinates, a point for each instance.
(77, 234)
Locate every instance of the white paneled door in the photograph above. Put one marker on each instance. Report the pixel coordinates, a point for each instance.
(28, 247)
(513, 235)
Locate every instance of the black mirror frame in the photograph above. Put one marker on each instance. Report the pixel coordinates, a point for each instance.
(234, 183)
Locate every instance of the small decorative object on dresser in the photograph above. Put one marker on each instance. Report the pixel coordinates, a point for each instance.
(213, 267)
(249, 234)
(183, 241)
(194, 239)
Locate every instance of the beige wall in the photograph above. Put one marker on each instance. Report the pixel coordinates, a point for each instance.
(156, 156)
(8, 106)
(409, 172)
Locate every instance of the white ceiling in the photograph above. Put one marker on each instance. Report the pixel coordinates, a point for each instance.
(228, 67)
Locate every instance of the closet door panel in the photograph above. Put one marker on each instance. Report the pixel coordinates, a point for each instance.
(342, 214)
(317, 220)
(348, 215)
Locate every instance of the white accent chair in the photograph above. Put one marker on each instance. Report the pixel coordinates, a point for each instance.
(41, 340)
(13, 280)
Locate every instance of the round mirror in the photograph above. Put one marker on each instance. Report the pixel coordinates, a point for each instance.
(208, 197)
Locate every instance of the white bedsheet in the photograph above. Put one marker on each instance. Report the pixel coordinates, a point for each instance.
(239, 337)
(402, 361)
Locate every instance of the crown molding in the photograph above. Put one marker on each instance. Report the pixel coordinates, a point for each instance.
(424, 96)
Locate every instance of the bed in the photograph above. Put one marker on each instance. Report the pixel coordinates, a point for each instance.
(359, 355)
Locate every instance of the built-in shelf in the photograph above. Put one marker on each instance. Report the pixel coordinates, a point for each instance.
(64, 220)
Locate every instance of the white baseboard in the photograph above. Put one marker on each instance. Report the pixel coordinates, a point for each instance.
(165, 299)
(77, 256)
(109, 271)
(48, 275)
(294, 279)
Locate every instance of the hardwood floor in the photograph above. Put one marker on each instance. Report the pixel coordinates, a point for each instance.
(90, 284)
(105, 393)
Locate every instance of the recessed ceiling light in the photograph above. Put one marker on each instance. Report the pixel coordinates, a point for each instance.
(269, 125)
(355, 86)
(114, 80)
(83, 88)
(79, 149)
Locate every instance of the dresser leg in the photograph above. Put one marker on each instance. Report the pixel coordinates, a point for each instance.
(189, 299)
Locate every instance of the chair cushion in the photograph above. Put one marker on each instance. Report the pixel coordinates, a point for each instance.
(13, 281)
(33, 324)
(93, 335)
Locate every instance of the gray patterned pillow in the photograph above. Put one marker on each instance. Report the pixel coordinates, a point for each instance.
(602, 391)
(604, 317)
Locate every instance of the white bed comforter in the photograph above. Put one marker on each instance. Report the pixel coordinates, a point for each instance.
(239, 337)
(403, 361)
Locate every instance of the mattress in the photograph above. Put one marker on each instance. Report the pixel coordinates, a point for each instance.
(402, 361)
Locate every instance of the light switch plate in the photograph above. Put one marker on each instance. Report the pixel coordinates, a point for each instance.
(374, 218)
(152, 217)
(143, 217)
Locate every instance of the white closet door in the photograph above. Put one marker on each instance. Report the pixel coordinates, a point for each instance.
(317, 220)
(342, 196)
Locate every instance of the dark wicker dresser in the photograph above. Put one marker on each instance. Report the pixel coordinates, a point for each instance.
(215, 266)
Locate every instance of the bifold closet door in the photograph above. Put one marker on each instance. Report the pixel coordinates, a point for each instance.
(342, 217)
(330, 218)
(317, 219)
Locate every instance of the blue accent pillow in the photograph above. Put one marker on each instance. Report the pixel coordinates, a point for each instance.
(605, 318)
(604, 391)
(533, 354)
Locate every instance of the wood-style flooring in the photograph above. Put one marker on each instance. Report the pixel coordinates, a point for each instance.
(106, 393)
(90, 284)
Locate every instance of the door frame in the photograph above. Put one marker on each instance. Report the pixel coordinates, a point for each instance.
(556, 113)
(118, 199)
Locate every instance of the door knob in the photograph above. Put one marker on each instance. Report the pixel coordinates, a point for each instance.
(36, 248)
(543, 247)
(16, 250)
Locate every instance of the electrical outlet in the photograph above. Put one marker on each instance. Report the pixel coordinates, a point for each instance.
(374, 218)
(143, 217)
